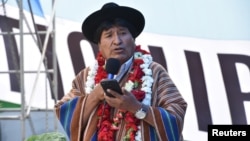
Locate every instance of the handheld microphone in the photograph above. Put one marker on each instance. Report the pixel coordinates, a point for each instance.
(112, 67)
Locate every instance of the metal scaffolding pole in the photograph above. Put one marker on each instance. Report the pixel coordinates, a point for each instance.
(25, 109)
(23, 114)
(55, 88)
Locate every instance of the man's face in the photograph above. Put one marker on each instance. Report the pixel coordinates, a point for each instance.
(117, 42)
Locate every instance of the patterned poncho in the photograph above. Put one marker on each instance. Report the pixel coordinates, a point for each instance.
(167, 107)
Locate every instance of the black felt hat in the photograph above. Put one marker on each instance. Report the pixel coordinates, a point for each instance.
(111, 11)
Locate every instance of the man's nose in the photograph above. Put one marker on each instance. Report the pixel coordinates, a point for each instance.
(117, 39)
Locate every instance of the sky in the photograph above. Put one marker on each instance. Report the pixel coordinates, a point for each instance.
(210, 19)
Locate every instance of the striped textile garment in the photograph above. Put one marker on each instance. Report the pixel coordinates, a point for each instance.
(167, 107)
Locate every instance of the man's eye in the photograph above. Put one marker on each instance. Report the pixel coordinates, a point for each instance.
(108, 35)
(123, 32)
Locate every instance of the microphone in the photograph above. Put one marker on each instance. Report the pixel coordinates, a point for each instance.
(112, 67)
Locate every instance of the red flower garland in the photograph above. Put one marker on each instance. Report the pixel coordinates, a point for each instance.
(108, 126)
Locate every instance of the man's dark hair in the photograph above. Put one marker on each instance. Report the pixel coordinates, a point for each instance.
(110, 23)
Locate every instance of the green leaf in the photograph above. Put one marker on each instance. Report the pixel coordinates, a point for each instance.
(52, 136)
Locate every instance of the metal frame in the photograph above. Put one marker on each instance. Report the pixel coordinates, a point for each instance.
(25, 110)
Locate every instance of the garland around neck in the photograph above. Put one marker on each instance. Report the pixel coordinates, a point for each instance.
(146, 79)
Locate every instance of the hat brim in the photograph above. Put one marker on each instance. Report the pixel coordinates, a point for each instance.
(131, 15)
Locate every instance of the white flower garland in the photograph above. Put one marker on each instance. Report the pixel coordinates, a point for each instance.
(90, 83)
(147, 82)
